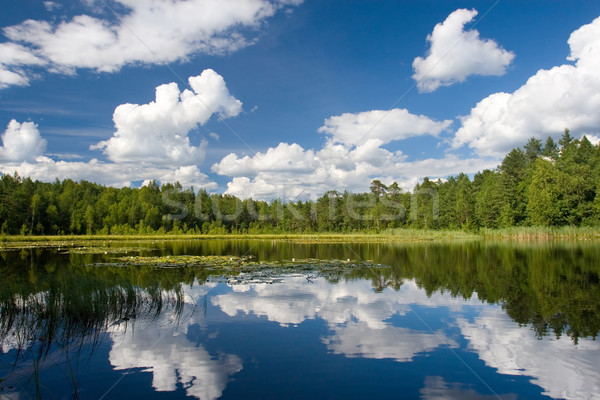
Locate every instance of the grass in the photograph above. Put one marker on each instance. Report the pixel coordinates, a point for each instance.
(564, 232)
(388, 236)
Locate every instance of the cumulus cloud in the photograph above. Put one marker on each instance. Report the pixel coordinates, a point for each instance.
(21, 142)
(351, 157)
(395, 124)
(157, 132)
(282, 159)
(150, 142)
(145, 32)
(291, 172)
(111, 174)
(455, 54)
(565, 96)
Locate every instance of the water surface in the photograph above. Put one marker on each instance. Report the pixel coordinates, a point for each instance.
(474, 320)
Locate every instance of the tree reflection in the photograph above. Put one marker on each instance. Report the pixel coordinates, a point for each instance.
(54, 302)
(62, 312)
(555, 287)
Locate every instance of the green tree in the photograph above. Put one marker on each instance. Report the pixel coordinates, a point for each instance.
(533, 149)
(544, 195)
(489, 200)
(550, 149)
(89, 219)
(513, 171)
(378, 188)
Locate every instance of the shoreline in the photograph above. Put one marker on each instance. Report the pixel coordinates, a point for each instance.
(395, 236)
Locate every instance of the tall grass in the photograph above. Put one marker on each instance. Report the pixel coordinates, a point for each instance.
(527, 232)
(72, 312)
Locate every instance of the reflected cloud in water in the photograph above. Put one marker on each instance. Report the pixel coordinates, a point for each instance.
(360, 327)
(357, 339)
(162, 347)
(563, 369)
(173, 359)
(436, 388)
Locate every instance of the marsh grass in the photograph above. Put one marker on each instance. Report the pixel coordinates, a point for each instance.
(563, 232)
(72, 314)
(396, 235)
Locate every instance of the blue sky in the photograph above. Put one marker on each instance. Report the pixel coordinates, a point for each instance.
(292, 98)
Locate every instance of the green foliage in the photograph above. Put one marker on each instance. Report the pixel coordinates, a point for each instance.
(547, 186)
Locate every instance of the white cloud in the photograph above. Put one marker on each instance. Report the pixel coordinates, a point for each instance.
(146, 32)
(21, 142)
(12, 78)
(111, 174)
(395, 124)
(13, 58)
(593, 139)
(456, 54)
(565, 96)
(157, 132)
(51, 6)
(150, 142)
(562, 369)
(351, 157)
(281, 159)
(290, 172)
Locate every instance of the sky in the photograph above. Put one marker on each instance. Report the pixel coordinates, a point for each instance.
(289, 98)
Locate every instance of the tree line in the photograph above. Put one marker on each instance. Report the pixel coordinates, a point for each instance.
(542, 185)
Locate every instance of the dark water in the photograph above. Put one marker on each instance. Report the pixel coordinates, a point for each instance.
(433, 321)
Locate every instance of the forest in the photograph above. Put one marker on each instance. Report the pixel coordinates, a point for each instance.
(542, 185)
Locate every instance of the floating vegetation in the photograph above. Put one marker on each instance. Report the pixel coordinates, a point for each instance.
(182, 261)
(103, 250)
(242, 270)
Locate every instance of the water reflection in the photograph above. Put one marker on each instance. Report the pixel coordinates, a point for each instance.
(357, 339)
(554, 364)
(361, 325)
(462, 320)
(436, 388)
(172, 358)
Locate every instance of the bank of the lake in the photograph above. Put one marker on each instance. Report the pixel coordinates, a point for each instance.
(388, 236)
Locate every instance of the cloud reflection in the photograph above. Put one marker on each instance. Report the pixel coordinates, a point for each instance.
(562, 369)
(172, 358)
(357, 339)
(356, 315)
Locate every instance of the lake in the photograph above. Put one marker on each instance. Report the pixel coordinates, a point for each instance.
(456, 320)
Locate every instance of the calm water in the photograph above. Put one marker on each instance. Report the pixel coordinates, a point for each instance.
(432, 321)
